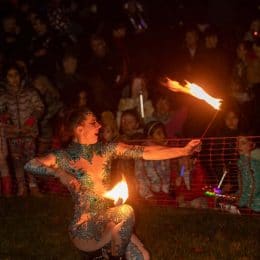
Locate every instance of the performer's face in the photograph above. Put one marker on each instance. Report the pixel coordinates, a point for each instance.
(88, 131)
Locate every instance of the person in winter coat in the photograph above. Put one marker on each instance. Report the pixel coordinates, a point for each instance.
(22, 107)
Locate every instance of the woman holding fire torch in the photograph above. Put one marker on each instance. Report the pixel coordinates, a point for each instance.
(84, 167)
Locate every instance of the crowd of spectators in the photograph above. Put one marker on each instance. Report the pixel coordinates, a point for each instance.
(56, 55)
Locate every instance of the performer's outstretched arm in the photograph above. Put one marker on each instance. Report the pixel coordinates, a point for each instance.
(166, 152)
(156, 152)
(42, 165)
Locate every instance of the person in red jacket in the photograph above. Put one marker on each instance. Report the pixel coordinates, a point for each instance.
(189, 181)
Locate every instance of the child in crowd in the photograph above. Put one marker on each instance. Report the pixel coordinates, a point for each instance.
(130, 126)
(109, 131)
(226, 148)
(24, 108)
(249, 166)
(131, 133)
(172, 116)
(133, 101)
(189, 181)
(153, 176)
(53, 105)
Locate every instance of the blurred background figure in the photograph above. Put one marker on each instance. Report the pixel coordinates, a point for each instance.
(171, 114)
(22, 130)
(135, 17)
(130, 132)
(109, 131)
(153, 177)
(249, 167)
(240, 87)
(51, 99)
(131, 98)
(189, 181)
(253, 32)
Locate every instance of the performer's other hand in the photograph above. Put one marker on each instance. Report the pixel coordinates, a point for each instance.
(193, 146)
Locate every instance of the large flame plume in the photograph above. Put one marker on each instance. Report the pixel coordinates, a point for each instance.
(119, 192)
(193, 90)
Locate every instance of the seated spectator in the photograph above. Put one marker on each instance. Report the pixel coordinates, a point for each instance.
(130, 132)
(213, 69)
(104, 71)
(253, 68)
(42, 58)
(188, 182)
(249, 167)
(60, 22)
(68, 79)
(110, 133)
(223, 156)
(188, 56)
(120, 45)
(240, 87)
(232, 122)
(172, 116)
(153, 177)
(109, 129)
(53, 105)
(11, 41)
(132, 100)
(130, 129)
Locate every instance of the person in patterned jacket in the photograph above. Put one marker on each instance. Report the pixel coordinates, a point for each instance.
(22, 108)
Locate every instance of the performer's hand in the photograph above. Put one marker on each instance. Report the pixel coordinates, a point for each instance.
(193, 146)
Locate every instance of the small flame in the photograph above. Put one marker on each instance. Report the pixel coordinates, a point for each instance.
(195, 91)
(119, 192)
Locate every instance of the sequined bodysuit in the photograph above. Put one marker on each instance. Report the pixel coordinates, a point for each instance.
(82, 166)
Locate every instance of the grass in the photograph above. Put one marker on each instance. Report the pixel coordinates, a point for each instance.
(36, 228)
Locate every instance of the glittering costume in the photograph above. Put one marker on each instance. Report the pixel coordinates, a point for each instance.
(89, 230)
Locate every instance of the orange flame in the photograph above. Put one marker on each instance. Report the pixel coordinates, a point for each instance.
(119, 192)
(195, 91)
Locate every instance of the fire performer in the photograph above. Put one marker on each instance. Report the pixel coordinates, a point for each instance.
(84, 167)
